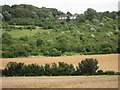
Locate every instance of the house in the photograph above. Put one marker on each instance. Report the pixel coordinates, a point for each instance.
(62, 16)
(65, 16)
(74, 16)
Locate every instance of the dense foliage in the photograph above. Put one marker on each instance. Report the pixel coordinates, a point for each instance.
(29, 30)
(88, 66)
(85, 67)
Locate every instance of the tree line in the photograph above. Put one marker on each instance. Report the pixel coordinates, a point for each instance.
(88, 66)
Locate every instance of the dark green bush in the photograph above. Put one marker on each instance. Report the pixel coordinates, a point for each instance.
(13, 69)
(117, 73)
(47, 70)
(40, 42)
(87, 66)
(7, 39)
(32, 70)
(109, 73)
(54, 52)
(24, 38)
(100, 72)
(62, 69)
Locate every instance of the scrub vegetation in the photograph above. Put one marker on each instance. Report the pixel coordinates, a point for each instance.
(32, 31)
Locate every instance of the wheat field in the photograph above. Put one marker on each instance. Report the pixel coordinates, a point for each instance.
(106, 62)
(61, 82)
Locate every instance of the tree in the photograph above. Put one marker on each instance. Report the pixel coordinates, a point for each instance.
(65, 69)
(47, 70)
(90, 14)
(62, 69)
(69, 14)
(68, 18)
(81, 18)
(20, 51)
(55, 52)
(6, 15)
(14, 69)
(32, 70)
(106, 47)
(87, 66)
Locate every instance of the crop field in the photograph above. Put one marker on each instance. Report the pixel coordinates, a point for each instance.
(61, 82)
(106, 61)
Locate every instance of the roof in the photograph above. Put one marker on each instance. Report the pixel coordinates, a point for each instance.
(65, 15)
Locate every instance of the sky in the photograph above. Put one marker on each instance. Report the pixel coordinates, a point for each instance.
(73, 6)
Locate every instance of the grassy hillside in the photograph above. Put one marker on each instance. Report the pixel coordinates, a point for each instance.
(90, 33)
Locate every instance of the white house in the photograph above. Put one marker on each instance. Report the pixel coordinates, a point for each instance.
(65, 16)
(62, 16)
(74, 16)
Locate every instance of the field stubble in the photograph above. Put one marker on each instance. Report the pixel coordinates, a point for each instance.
(61, 82)
(106, 61)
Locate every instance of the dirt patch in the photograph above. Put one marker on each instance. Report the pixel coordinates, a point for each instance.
(106, 62)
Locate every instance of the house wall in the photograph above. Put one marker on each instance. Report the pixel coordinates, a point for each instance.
(71, 17)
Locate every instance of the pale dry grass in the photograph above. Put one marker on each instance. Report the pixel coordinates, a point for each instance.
(106, 62)
(61, 82)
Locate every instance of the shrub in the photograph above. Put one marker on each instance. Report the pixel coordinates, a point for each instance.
(25, 38)
(70, 53)
(13, 69)
(32, 70)
(47, 70)
(55, 52)
(92, 30)
(7, 39)
(65, 69)
(62, 69)
(40, 42)
(101, 24)
(100, 72)
(117, 73)
(88, 66)
(109, 73)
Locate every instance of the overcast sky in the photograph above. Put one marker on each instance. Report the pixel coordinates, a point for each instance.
(74, 6)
